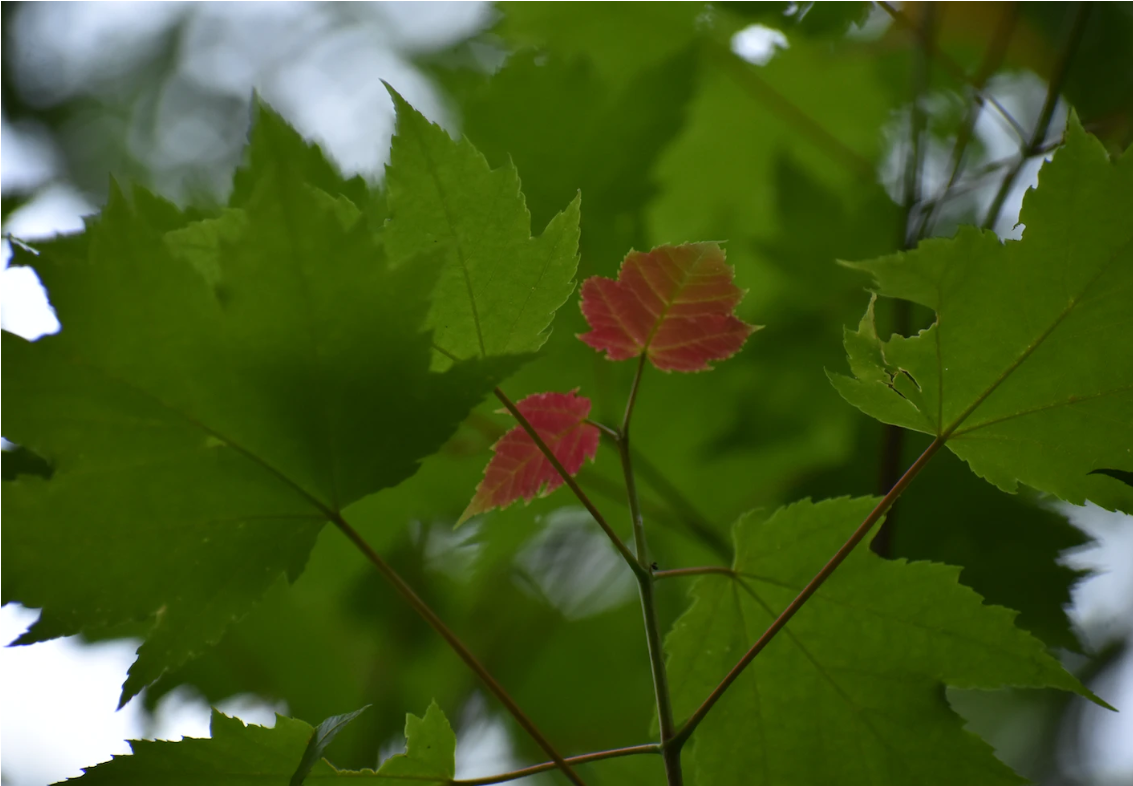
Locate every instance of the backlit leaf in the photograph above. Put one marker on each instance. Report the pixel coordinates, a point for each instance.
(499, 287)
(235, 755)
(430, 750)
(518, 469)
(674, 303)
(240, 755)
(1028, 369)
(852, 690)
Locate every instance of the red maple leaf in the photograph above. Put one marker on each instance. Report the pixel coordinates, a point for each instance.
(519, 469)
(674, 303)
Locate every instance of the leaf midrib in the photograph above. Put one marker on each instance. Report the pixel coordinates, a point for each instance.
(81, 362)
(682, 282)
(442, 197)
(1034, 345)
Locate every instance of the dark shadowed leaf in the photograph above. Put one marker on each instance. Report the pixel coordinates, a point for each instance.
(218, 393)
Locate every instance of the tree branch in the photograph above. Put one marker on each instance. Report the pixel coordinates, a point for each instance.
(423, 609)
(979, 178)
(993, 58)
(954, 69)
(672, 755)
(1038, 137)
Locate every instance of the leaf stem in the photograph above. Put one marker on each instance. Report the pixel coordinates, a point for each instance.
(1038, 137)
(697, 524)
(612, 433)
(627, 555)
(683, 511)
(680, 572)
(537, 768)
(623, 435)
(672, 519)
(671, 754)
(423, 609)
(781, 621)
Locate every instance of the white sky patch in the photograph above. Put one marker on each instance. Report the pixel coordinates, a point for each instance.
(483, 746)
(576, 569)
(757, 44)
(59, 700)
(24, 309)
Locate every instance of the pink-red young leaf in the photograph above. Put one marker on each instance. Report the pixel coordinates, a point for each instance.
(674, 303)
(518, 468)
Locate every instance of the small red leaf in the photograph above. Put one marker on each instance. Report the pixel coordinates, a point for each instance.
(519, 469)
(674, 303)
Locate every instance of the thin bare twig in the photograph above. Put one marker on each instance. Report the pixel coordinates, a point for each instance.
(979, 177)
(1038, 137)
(993, 58)
(893, 437)
(955, 70)
(465, 654)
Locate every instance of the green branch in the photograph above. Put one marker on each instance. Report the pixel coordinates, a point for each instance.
(671, 754)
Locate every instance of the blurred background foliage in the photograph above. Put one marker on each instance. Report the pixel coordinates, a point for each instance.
(800, 134)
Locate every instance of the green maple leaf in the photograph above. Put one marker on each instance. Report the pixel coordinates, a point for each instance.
(1028, 369)
(217, 393)
(852, 690)
(272, 139)
(499, 288)
(1007, 544)
(430, 750)
(567, 130)
(239, 755)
